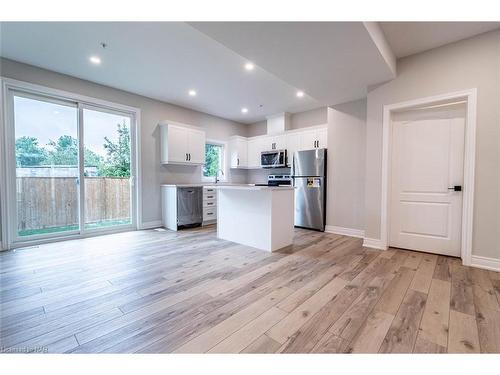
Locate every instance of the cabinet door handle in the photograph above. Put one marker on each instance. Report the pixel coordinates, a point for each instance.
(186, 156)
(238, 161)
(189, 155)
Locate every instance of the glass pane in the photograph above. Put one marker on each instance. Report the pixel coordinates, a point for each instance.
(106, 169)
(46, 143)
(213, 160)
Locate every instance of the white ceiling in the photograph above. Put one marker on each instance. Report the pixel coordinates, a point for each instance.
(332, 62)
(407, 38)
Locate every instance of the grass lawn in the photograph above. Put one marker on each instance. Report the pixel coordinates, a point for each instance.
(94, 225)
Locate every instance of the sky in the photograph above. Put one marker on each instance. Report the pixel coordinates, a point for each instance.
(48, 121)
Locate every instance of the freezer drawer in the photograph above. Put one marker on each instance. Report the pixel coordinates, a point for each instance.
(310, 202)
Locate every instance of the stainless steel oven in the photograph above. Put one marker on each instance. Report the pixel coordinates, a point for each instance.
(273, 159)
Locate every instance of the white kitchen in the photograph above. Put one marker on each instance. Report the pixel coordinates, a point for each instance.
(250, 187)
(260, 215)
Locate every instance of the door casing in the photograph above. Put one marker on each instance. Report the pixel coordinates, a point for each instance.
(470, 97)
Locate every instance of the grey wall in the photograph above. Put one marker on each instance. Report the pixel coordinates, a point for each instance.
(346, 165)
(318, 116)
(471, 63)
(152, 111)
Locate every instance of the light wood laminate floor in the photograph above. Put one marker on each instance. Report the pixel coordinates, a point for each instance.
(162, 291)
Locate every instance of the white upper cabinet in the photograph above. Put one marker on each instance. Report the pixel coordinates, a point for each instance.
(274, 142)
(255, 147)
(182, 145)
(315, 138)
(292, 145)
(322, 138)
(238, 152)
(196, 146)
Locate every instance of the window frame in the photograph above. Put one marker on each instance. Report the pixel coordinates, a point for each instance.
(223, 145)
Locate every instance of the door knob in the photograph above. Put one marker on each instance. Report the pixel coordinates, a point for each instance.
(456, 188)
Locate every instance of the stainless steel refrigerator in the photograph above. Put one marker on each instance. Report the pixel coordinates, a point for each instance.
(309, 179)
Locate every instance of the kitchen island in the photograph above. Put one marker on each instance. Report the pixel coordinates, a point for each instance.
(257, 216)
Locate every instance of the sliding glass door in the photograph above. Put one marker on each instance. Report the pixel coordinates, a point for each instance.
(46, 166)
(71, 168)
(107, 169)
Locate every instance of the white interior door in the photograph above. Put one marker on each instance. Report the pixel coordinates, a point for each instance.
(427, 163)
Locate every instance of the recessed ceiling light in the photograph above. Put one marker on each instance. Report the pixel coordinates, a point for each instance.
(244, 110)
(192, 92)
(249, 66)
(96, 60)
(300, 94)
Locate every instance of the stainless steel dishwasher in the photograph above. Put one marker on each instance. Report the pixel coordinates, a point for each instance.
(189, 206)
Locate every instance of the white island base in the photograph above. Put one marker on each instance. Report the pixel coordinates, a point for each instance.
(256, 216)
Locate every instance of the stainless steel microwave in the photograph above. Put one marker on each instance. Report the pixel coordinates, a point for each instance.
(273, 159)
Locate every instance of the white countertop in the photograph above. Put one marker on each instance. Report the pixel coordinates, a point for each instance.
(253, 187)
(232, 186)
(209, 184)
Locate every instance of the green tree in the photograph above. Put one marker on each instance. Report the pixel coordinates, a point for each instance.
(212, 157)
(28, 152)
(117, 163)
(65, 152)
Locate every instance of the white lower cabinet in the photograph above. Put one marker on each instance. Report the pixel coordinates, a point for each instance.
(209, 205)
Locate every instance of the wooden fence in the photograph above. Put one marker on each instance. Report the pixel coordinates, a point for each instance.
(46, 202)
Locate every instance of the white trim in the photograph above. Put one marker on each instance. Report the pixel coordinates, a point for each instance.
(469, 164)
(82, 100)
(3, 171)
(151, 224)
(374, 243)
(351, 232)
(486, 263)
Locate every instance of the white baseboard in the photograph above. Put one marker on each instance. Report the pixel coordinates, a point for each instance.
(374, 243)
(359, 233)
(486, 263)
(151, 224)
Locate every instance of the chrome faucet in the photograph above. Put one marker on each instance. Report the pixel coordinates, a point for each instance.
(217, 175)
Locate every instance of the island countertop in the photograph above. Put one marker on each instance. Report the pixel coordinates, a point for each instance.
(231, 186)
(252, 187)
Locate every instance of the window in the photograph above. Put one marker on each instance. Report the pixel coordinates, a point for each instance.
(214, 161)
